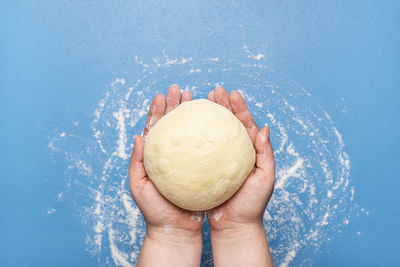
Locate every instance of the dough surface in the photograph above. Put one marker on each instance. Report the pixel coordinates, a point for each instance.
(198, 155)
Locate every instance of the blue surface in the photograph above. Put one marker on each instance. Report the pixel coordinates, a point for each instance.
(59, 58)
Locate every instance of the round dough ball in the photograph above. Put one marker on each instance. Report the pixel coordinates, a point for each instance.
(198, 155)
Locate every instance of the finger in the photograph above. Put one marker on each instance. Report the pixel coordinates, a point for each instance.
(186, 96)
(265, 165)
(242, 112)
(211, 96)
(137, 171)
(173, 98)
(222, 97)
(156, 111)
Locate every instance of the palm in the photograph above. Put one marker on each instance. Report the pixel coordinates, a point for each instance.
(155, 208)
(160, 212)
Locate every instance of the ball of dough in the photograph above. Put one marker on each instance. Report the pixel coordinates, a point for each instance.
(198, 155)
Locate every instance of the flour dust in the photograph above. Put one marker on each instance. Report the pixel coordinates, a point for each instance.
(313, 198)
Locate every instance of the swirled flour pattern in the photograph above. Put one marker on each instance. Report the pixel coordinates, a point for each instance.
(313, 198)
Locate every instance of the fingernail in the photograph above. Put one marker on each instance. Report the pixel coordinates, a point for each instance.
(266, 133)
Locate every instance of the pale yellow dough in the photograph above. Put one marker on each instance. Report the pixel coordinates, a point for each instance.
(198, 155)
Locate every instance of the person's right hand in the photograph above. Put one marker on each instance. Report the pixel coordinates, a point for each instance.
(173, 236)
(247, 206)
(160, 214)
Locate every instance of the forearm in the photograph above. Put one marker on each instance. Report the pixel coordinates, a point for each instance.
(246, 245)
(169, 247)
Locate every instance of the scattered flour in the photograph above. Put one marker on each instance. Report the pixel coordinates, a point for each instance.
(313, 199)
(259, 56)
(121, 150)
(51, 211)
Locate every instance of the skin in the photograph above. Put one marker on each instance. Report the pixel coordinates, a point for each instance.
(237, 233)
(173, 236)
(171, 231)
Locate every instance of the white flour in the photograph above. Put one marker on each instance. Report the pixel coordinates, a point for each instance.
(313, 197)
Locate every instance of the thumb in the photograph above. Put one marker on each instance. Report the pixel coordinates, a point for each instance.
(137, 171)
(265, 164)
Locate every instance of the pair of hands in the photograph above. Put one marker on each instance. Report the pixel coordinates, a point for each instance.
(246, 207)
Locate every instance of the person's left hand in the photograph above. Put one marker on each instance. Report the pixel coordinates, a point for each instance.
(247, 205)
(161, 215)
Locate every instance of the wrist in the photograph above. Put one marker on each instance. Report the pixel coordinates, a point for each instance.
(173, 236)
(241, 245)
(236, 231)
(169, 247)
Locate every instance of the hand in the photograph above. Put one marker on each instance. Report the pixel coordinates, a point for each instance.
(247, 206)
(237, 232)
(171, 231)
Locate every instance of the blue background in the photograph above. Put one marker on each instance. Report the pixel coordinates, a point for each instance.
(58, 57)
